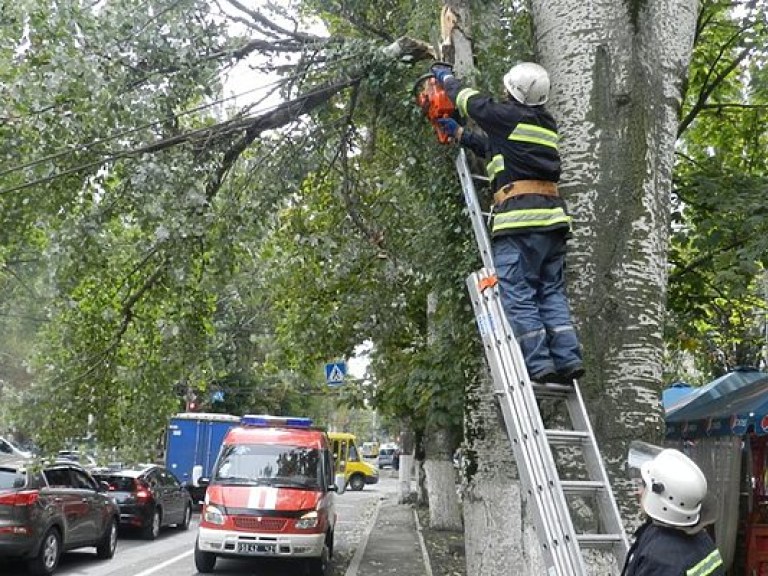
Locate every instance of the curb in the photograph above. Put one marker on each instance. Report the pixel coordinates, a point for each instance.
(354, 565)
(424, 553)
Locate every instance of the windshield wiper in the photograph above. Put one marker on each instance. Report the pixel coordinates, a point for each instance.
(285, 482)
(238, 480)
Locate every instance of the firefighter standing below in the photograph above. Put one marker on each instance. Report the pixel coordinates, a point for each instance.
(673, 541)
(530, 223)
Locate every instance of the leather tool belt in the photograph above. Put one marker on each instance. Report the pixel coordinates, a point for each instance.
(518, 187)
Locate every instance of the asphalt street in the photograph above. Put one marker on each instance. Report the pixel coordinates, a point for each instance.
(172, 553)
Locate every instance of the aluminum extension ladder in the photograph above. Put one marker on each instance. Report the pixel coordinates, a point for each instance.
(534, 446)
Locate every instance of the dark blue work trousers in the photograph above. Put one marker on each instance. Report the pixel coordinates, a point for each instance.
(530, 268)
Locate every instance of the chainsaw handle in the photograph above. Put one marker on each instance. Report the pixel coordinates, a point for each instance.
(421, 79)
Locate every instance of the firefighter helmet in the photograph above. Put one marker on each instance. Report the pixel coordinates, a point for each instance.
(674, 488)
(528, 83)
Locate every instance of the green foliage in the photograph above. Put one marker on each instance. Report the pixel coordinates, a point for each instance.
(718, 253)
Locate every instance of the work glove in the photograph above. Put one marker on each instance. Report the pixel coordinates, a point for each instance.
(441, 72)
(450, 127)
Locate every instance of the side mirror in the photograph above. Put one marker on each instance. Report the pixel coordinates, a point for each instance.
(19, 483)
(197, 472)
(340, 483)
(103, 486)
(203, 482)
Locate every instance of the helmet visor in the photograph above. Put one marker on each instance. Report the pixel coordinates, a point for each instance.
(639, 453)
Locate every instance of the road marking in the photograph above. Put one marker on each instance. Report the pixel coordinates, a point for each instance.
(165, 564)
(358, 557)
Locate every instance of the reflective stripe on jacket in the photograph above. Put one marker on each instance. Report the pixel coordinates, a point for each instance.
(520, 143)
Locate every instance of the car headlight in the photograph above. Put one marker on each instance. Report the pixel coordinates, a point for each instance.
(309, 520)
(213, 515)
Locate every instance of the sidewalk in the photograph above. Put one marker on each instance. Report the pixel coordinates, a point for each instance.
(393, 544)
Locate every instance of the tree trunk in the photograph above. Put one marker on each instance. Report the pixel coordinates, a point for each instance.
(406, 466)
(444, 509)
(616, 98)
(493, 499)
(440, 483)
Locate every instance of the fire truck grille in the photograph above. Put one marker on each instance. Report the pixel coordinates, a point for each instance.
(259, 523)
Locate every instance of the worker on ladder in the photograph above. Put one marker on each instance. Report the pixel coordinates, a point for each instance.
(673, 541)
(530, 223)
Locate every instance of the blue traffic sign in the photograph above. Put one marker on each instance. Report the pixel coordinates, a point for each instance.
(335, 372)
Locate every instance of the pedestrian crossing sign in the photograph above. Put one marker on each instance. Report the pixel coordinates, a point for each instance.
(335, 372)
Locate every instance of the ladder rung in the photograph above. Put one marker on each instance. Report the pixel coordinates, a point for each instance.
(581, 486)
(552, 390)
(480, 177)
(598, 540)
(566, 437)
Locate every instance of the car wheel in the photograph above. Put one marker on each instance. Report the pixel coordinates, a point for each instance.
(320, 566)
(105, 549)
(152, 530)
(357, 482)
(184, 525)
(48, 556)
(204, 561)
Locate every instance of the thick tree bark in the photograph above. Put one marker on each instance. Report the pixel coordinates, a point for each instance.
(493, 498)
(616, 97)
(444, 509)
(439, 479)
(404, 492)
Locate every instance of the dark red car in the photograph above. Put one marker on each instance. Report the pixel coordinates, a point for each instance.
(149, 498)
(47, 509)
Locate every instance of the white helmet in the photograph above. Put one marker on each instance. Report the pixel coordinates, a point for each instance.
(674, 488)
(528, 83)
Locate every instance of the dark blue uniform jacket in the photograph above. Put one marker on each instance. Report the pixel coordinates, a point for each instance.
(662, 551)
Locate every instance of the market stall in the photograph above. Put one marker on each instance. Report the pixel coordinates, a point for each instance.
(723, 426)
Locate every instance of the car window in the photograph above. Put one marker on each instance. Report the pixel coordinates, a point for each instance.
(5, 447)
(81, 480)
(269, 464)
(153, 479)
(58, 478)
(117, 483)
(353, 453)
(328, 467)
(11, 478)
(169, 479)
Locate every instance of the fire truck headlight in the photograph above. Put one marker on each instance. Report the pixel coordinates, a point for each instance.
(308, 521)
(213, 515)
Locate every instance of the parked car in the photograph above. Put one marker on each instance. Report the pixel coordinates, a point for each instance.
(149, 497)
(85, 460)
(386, 456)
(49, 510)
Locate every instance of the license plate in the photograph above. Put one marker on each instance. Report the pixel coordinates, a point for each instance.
(254, 548)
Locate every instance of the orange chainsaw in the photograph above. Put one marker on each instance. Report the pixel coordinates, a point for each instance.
(431, 97)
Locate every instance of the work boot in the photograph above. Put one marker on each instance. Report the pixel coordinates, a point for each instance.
(545, 377)
(569, 374)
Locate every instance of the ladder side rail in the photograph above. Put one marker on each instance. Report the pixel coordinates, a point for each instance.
(606, 501)
(475, 213)
(555, 526)
(525, 399)
(520, 437)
